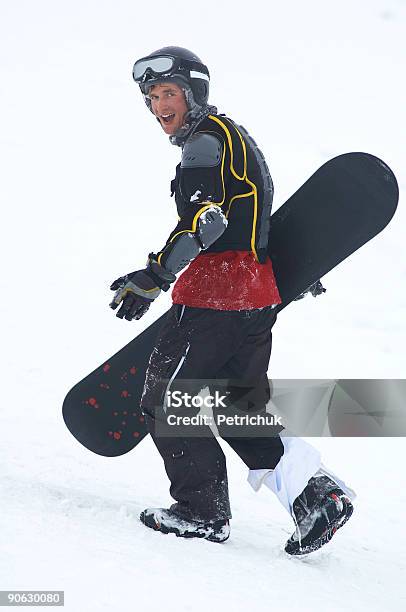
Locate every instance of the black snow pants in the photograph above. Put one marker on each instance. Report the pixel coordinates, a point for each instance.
(202, 344)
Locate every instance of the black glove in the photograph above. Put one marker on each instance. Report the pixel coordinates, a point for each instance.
(136, 291)
(315, 289)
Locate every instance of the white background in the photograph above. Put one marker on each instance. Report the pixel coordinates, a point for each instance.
(85, 172)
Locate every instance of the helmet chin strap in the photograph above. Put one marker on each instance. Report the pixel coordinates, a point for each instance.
(190, 100)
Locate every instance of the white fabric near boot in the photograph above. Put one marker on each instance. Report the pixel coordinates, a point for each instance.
(298, 464)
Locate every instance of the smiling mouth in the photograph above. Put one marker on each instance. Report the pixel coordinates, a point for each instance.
(167, 119)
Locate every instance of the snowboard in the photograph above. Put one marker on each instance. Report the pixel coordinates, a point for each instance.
(344, 204)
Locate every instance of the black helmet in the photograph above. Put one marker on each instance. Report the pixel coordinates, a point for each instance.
(180, 66)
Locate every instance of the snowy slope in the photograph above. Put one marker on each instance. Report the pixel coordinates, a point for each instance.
(85, 175)
(72, 524)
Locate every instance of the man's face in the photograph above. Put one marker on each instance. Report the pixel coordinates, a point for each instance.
(169, 105)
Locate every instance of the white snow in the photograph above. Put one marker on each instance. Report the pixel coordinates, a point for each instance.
(80, 157)
(195, 196)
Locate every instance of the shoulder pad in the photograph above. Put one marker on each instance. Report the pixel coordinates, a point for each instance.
(201, 150)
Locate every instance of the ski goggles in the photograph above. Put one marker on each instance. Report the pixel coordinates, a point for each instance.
(164, 66)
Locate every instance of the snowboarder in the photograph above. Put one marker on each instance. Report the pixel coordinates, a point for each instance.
(221, 319)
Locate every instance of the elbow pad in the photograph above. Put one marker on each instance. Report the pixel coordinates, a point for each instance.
(184, 247)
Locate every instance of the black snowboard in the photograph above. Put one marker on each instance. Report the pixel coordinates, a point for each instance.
(348, 201)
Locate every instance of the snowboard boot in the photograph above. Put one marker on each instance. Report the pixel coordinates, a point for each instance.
(169, 521)
(318, 512)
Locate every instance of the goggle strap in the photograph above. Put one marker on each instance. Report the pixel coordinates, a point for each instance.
(195, 68)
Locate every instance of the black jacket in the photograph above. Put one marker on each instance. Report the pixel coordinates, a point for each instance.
(221, 164)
